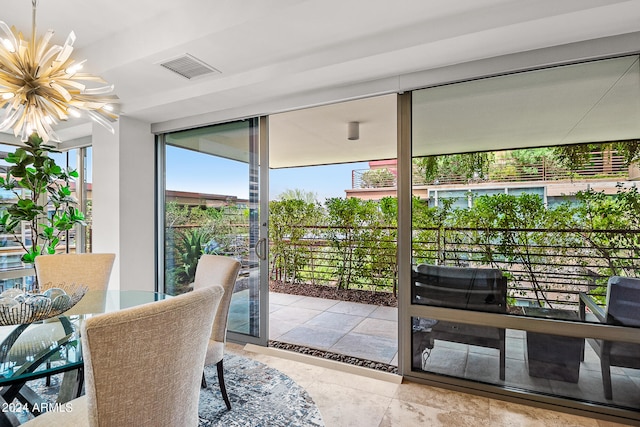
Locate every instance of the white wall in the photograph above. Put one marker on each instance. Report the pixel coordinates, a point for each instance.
(124, 201)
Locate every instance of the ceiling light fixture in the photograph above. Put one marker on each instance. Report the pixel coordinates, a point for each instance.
(40, 85)
(353, 131)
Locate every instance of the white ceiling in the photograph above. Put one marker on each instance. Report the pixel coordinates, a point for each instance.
(269, 50)
(589, 102)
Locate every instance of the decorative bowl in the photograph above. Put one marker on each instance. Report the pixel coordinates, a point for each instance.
(19, 307)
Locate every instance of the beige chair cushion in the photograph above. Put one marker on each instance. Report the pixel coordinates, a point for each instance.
(215, 352)
(71, 414)
(217, 270)
(91, 270)
(143, 365)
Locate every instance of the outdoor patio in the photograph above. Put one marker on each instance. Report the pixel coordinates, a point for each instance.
(353, 329)
(370, 332)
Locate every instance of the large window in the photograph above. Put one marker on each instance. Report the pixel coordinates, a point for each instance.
(211, 207)
(13, 272)
(524, 226)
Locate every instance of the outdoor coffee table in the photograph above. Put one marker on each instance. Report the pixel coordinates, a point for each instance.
(554, 357)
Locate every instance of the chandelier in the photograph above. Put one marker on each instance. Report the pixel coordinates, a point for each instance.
(40, 85)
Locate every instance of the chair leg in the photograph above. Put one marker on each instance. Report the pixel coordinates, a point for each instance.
(606, 377)
(223, 389)
(503, 352)
(203, 384)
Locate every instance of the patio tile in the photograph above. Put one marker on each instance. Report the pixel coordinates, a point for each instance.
(517, 374)
(283, 299)
(589, 384)
(448, 361)
(484, 350)
(314, 303)
(385, 313)
(378, 328)
(294, 314)
(275, 307)
(277, 329)
(515, 333)
(312, 336)
(366, 347)
(483, 367)
(335, 321)
(633, 373)
(354, 308)
(515, 348)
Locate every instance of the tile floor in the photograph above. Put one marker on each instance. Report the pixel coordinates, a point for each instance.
(354, 397)
(358, 330)
(370, 332)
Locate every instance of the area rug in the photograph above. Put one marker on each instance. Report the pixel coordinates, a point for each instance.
(260, 397)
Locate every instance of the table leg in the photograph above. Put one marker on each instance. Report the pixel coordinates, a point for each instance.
(71, 386)
(7, 418)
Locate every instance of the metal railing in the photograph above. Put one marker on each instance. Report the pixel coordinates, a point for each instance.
(602, 165)
(544, 267)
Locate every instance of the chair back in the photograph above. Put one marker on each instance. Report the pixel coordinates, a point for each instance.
(483, 289)
(623, 301)
(223, 271)
(143, 364)
(91, 270)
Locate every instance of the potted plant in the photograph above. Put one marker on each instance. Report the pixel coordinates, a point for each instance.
(44, 201)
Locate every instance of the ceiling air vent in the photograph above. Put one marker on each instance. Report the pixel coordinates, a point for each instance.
(189, 67)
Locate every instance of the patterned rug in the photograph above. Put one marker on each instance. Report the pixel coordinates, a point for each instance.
(260, 397)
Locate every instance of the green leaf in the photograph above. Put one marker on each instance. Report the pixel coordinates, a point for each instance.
(30, 257)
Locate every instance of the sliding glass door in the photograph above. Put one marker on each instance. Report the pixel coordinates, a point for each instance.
(211, 206)
(524, 253)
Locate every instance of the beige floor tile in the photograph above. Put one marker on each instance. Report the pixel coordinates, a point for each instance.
(507, 414)
(302, 373)
(349, 399)
(446, 400)
(402, 413)
(359, 382)
(348, 407)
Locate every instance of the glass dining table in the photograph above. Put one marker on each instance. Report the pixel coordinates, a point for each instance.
(52, 346)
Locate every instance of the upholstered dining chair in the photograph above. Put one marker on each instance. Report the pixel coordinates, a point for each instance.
(92, 269)
(218, 270)
(622, 309)
(143, 364)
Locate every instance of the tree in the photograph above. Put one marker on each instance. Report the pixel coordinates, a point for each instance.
(290, 222)
(350, 220)
(577, 156)
(609, 222)
(44, 199)
(470, 166)
(298, 194)
(377, 178)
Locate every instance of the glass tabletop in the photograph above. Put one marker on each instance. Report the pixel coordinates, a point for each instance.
(53, 345)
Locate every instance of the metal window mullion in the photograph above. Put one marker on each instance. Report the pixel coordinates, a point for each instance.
(404, 231)
(533, 324)
(160, 212)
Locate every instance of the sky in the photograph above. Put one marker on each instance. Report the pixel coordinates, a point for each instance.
(196, 172)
